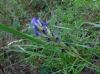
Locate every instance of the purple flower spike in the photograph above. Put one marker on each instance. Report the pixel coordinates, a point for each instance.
(37, 24)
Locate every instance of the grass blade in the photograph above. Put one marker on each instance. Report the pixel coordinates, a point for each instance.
(10, 30)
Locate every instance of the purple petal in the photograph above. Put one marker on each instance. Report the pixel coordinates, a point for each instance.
(34, 21)
(44, 24)
(36, 31)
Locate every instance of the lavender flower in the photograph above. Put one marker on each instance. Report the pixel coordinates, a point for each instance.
(38, 25)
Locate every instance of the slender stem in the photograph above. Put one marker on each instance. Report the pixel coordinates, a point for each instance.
(89, 62)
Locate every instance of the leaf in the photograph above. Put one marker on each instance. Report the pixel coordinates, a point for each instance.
(10, 30)
(98, 72)
(90, 23)
(29, 52)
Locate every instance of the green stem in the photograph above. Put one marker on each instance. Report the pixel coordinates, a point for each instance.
(89, 62)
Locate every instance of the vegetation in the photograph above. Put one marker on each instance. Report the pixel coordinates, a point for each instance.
(76, 22)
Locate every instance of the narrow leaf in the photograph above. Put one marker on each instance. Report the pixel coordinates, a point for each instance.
(10, 30)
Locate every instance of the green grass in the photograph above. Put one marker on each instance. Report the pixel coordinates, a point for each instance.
(73, 21)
